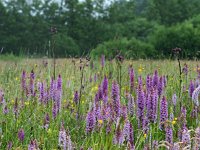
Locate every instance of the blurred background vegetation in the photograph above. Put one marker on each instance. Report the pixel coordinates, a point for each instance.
(136, 28)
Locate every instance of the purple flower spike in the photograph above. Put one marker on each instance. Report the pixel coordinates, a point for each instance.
(185, 69)
(9, 146)
(59, 83)
(21, 135)
(116, 98)
(191, 88)
(131, 76)
(33, 145)
(163, 112)
(169, 134)
(124, 112)
(62, 141)
(160, 86)
(46, 121)
(90, 121)
(186, 137)
(119, 136)
(130, 105)
(76, 97)
(149, 83)
(195, 96)
(174, 99)
(140, 105)
(155, 78)
(54, 110)
(105, 89)
(41, 89)
(152, 106)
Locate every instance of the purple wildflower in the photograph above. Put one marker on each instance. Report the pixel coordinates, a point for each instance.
(54, 110)
(140, 105)
(116, 98)
(128, 133)
(185, 69)
(145, 124)
(100, 93)
(21, 135)
(183, 116)
(41, 90)
(197, 138)
(62, 141)
(9, 146)
(46, 121)
(131, 76)
(124, 112)
(90, 121)
(163, 112)
(152, 106)
(5, 109)
(155, 78)
(195, 96)
(130, 105)
(148, 82)
(59, 83)
(33, 145)
(191, 88)
(105, 89)
(118, 137)
(76, 97)
(174, 99)
(160, 86)
(169, 134)
(186, 137)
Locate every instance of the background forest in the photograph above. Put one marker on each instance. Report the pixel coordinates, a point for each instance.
(136, 28)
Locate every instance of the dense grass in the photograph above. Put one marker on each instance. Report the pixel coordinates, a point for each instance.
(31, 111)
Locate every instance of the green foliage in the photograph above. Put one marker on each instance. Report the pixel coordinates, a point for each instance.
(65, 44)
(84, 25)
(132, 48)
(185, 35)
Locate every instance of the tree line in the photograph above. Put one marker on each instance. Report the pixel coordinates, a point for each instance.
(136, 28)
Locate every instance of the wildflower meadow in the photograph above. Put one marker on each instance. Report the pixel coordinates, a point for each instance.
(100, 104)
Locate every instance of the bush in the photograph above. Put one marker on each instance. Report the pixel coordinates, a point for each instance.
(65, 44)
(132, 48)
(185, 36)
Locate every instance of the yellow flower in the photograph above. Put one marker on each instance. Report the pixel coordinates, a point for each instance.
(139, 70)
(100, 121)
(95, 88)
(145, 135)
(16, 79)
(12, 101)
(175, 119)
(174, 122)
(26, 103)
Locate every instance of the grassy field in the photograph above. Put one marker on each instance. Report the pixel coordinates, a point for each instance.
(97, 105)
